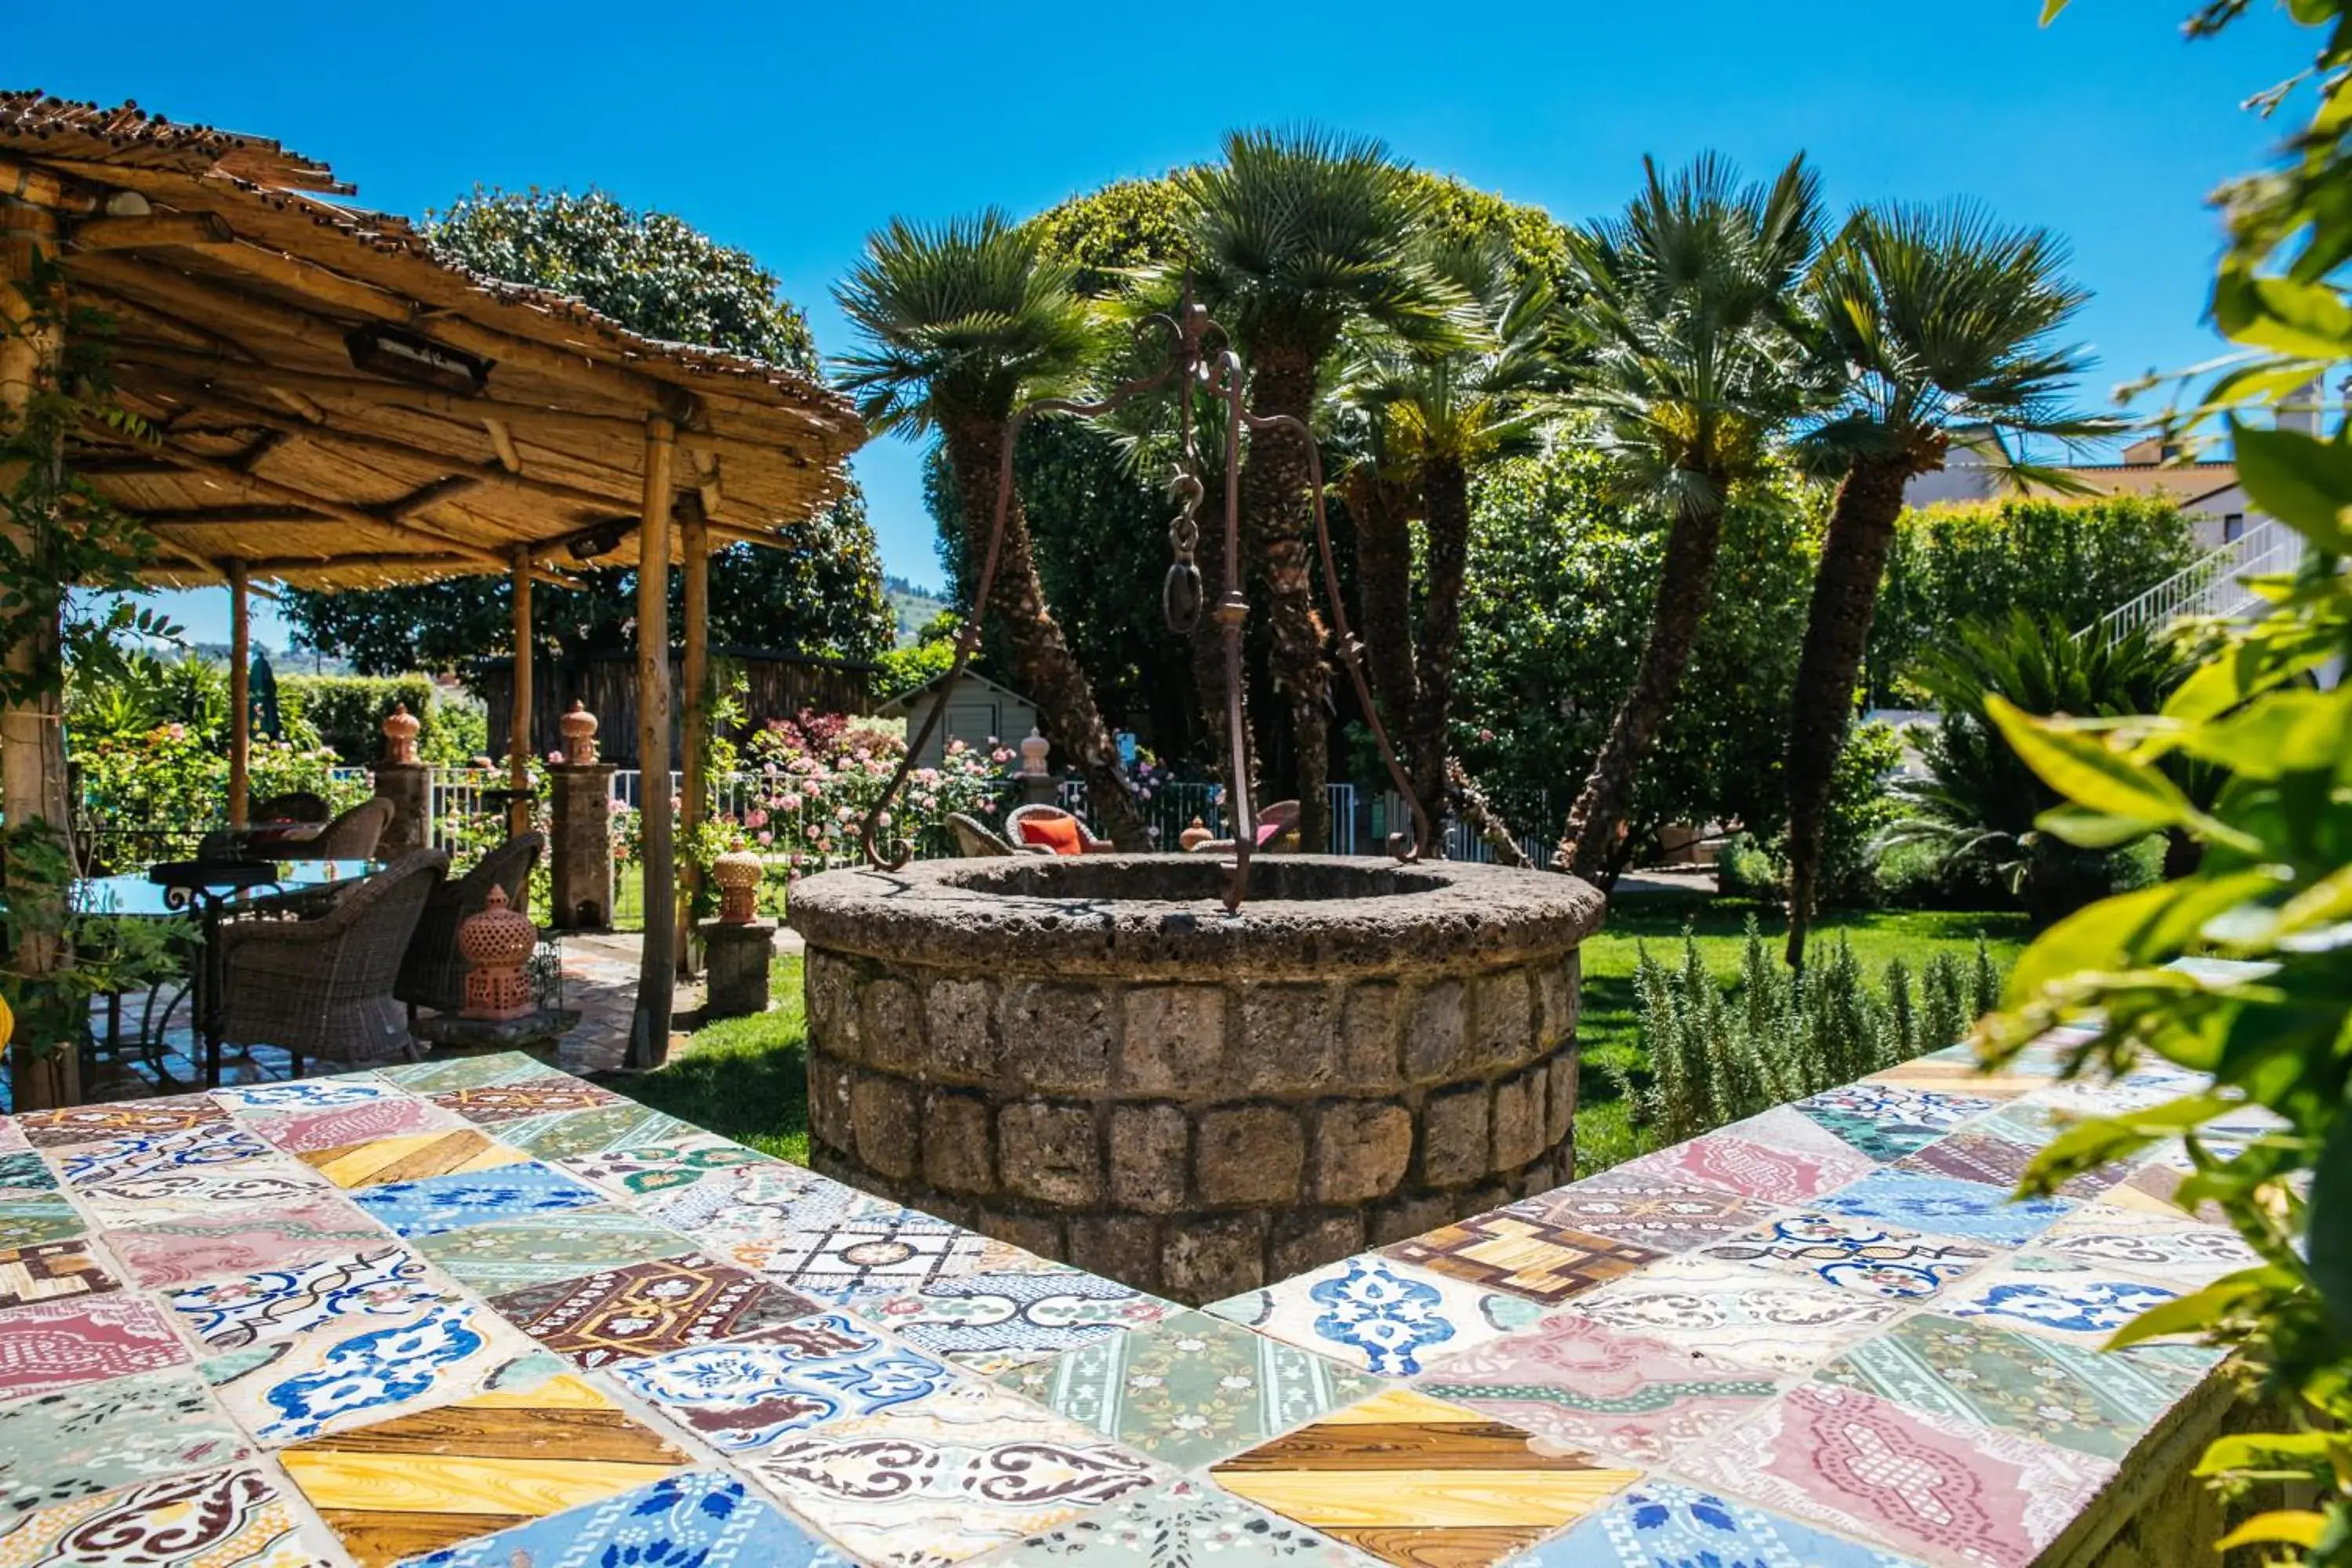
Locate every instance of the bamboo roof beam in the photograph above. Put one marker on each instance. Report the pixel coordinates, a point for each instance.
(41, 187)
(159, 229)
(502, 442)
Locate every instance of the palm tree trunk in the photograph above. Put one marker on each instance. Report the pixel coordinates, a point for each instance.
(1042, 659)
(1686, 586)
(1445, 500)
(1274, 497)
(1381, 510)
(1837, 634)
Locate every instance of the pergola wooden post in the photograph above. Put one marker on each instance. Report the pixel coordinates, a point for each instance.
(240, 693)
(519, 737)
(694, 788)
(657, 966)
(32, 731)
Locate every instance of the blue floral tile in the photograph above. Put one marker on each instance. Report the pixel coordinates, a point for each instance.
(434, 1204)
(1386, 1317)
(1886, 1121)
(305, 1094)
(2055, 1296)
(1945, 1206)
(1857, 1254)
(1658, 1524)
(696, 1518)
(749, 1392)
(155, 1154)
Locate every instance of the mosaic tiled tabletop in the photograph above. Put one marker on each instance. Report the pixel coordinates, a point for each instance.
(479, 1312)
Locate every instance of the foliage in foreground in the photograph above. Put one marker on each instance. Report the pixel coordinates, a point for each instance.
(2275, 885)
(1717, 1058)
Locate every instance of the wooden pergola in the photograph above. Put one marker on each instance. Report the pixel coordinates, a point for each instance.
(331, 405)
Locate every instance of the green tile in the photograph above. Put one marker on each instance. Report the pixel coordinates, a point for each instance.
(44, 1217)
(540, 1249)
(568, 1134)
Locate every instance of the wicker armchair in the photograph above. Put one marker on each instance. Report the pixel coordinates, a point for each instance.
(294, 806)
(354, 835)
(433, 974)
(1088, 842)
(323, 988)
(975, 840)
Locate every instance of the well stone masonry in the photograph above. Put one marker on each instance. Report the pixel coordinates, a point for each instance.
(1086, 1057)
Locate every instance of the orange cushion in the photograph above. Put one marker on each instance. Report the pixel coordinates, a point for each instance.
(1059, 834)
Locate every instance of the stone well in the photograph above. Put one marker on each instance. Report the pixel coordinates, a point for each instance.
(1086, 1057)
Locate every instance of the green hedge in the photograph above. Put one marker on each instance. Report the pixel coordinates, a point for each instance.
(347, 711)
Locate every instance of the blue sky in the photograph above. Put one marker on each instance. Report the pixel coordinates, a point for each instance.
(794, 131)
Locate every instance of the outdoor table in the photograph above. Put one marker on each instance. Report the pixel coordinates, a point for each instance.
(139, 896)
(477, 1312)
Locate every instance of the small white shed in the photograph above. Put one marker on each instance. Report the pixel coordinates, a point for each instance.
(978, 709)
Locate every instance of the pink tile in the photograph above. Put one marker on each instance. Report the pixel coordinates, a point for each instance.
(242, 1241)
(1956, 1494)
(56, 1345)
(1761, 1157)
(344, 1124)
(1585, 1386)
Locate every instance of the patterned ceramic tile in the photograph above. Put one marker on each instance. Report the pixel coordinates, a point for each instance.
(474, 1197)
(427, 1481)
(2051, 1296)
(1179, 1522)
(1886, 1122)
(25, 1171)
(661, 1167)
(383, 1281)
(695, 1519)
(1977, 1374)
(12, 1137)
(1943, 1206)
(221, 1143)
(494, 1102)
(220, 1519)
(1191, 1388)
(1387, 1318)
(249, 1185)
(1857, 1255)
(511, 1254)
(49, 1270)
(1961, 1074)
(1779, 1157)
(1661, 1524)
(987, 1322)
(1422, 1483)
(645, 1308)
(1743, 1316)
(342, 1126)
(83, 1441)
(41, 1217)
(569, 1134)
(2155, 1188)
(1858, 1463)
(2165, 1247)
(117, 1120)
(1665, 1216)
(1508, 1251)
(412, 1157)
(948, 1476)
(827, 1241)
(1576, 1383)
(749, 1392)
(83, 1339)
(305, 1094)
(188, 1248)
(444, 1073)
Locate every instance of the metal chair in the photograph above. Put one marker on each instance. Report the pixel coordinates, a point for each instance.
(354, 835)
(974, 839)
(432, 974)
(323, 987)
(1088, 844)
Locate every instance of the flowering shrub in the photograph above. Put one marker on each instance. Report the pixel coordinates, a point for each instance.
(169, 785)
(817, 775)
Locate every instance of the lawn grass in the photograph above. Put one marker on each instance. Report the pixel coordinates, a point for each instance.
(1609, 1028)
(747, 1078)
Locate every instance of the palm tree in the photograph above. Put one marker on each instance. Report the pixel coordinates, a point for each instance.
(1692, 365)
(959, 323)
(1433, 415)
(1294, 236)
(1936, 326)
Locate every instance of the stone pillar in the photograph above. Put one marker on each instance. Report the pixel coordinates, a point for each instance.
(580, 862)
(409, 787)
(736, 955)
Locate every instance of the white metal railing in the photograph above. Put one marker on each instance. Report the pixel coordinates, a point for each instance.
(2213, 585)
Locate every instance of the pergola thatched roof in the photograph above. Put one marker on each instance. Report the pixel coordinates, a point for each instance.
(277, 340)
